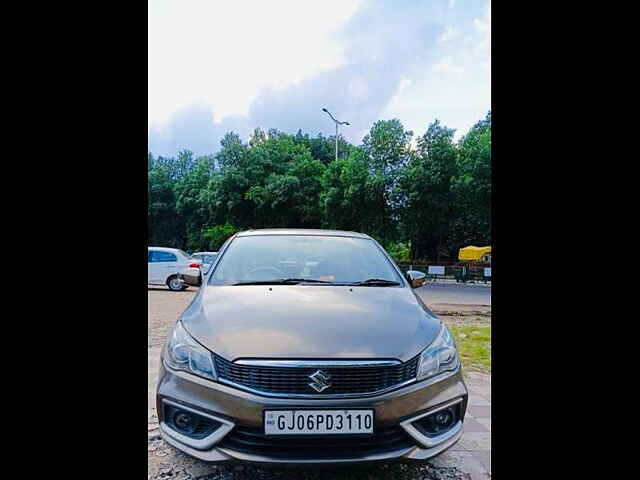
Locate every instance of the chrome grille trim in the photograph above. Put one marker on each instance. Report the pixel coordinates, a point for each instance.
(317, 396)
(350, 379)
(317, 363)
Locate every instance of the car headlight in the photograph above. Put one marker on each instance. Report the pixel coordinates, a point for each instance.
(441, 356)
(184, 353)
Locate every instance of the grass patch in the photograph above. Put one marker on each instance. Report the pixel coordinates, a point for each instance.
(474, 346)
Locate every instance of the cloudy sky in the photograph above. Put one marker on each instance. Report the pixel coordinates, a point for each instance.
(216, 66)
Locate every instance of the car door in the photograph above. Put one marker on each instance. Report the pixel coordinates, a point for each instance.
(161, 266)
(153, 274)
(168, 265)
(156, 267)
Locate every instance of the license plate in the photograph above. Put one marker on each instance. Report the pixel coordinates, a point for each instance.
(314, 422)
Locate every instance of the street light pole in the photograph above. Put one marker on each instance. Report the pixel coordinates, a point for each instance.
(336, 140)
(337, 122)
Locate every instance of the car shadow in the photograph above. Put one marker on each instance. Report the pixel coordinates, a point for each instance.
(166, 289)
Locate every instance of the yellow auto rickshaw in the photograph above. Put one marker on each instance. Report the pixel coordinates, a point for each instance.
(471, 255)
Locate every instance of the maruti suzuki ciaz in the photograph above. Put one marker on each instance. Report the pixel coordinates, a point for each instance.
(309, 347)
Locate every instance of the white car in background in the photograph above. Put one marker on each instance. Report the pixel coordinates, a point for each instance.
(207, 259)
(170, 266)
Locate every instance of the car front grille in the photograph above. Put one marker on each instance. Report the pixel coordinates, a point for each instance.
(253, 441)
(294, 380)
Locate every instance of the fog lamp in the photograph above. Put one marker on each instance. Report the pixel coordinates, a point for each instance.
(185, 421)
(443, 418)
(438, 422)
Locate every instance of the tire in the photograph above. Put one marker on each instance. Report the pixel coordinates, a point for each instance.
(174, 284)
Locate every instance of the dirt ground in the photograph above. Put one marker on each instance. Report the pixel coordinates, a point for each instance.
(166, 462)
(470, 315)
(165, 307)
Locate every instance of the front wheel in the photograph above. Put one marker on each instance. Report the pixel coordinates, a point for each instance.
(175, 284)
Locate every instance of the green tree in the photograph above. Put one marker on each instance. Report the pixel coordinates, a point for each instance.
(191, 207)
(425, 196)
(162, 222)
(388, 146)
(231, 152)
(216, 235)
(285, 183)
(471, 222)
(274, 181)
(348, 194)
(323, 148)
(435, 197)
(257, 137)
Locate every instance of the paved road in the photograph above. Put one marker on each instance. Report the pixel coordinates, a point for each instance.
(455, 294)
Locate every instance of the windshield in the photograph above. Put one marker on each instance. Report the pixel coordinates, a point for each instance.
(182, 252)
(326, 259)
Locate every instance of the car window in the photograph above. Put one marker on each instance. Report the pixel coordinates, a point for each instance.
(204, 257)
(330, 259)
(157, 256)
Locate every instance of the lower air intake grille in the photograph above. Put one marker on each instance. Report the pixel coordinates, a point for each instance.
(253, 441)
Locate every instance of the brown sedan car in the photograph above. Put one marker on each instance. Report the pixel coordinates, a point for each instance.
(308, 347)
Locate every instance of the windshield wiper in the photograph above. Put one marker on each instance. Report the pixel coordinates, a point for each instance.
(283, 281)
(375, 282)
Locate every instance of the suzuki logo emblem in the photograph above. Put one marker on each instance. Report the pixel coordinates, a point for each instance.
(321, 381)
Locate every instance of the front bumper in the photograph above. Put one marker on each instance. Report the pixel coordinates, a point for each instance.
(235, 408)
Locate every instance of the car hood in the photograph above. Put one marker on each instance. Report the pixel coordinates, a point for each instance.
(310, 322)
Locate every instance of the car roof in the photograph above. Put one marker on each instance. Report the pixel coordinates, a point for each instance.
(301, 231)
(164, 249)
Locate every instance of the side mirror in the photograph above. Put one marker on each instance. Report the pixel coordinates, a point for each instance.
(416, 278)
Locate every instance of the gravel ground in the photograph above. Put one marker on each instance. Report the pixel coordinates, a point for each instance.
(166, 462)
(165, 307)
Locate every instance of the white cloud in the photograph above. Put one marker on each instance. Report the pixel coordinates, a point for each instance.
(222, 53)
(483, 29)
(449, 34)
(358, 88)
(456, 89)
(447, 66)
(221, 66)
(149, 75)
